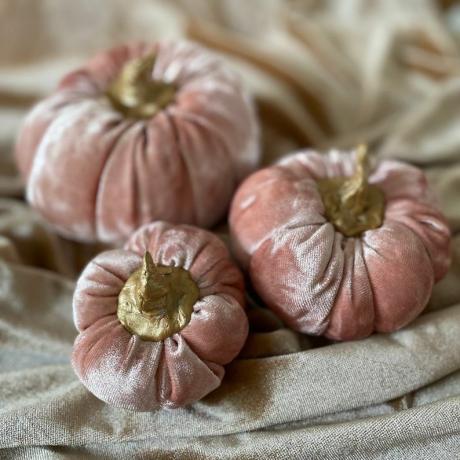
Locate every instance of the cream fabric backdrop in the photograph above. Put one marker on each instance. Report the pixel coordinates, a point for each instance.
(324, 73)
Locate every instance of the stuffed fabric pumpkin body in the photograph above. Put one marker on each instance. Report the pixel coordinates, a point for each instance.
(322, 282)
(125, 370)
(97, 173)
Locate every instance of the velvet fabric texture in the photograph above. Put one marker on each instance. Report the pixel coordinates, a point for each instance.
(97, 175)
(124, 370)
(383, 72)
(317, 280)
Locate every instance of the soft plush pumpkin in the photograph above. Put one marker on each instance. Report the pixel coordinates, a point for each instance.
(158, 319)
(335, 253)
(140, 133)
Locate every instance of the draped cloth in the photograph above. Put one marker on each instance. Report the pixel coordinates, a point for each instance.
(324, 74)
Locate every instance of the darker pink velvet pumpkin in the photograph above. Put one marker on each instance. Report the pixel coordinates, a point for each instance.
(122, 369)
(98, 174)
(321, 282)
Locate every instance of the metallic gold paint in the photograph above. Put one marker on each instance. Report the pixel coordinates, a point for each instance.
(351, 203)
(135, 94)
(157, 301)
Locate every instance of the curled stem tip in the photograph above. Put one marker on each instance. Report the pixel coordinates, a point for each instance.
(357, 184)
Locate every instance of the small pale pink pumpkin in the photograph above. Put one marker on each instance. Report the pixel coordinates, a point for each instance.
(144, 132)
(334, 254)
(159, 319)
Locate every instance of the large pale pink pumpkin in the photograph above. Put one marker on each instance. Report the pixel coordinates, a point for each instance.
(144, 132)
(166, 344)
(321, 278)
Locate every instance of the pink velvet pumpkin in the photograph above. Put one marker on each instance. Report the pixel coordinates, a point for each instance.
(321, 281)
(144, 132)
(130, 371)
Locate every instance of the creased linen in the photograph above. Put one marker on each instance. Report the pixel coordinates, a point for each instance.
(324, 74)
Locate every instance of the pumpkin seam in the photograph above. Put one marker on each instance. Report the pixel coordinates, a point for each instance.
(418, 238)
(325, 321)
(136, 188)
(177, 142)
(103, 172)
(202, 122)
(374, 303)
(97, 264)
(422, 223)
(87, 352)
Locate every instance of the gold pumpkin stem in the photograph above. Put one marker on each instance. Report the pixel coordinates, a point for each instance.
(157, 301)
(351, 203)
(354, 188)
(151, 289)
(135, 93)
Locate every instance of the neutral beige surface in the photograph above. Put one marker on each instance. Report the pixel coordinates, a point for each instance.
(324, 73)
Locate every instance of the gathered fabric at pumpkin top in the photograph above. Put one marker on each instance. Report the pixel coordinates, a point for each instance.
(140, 133)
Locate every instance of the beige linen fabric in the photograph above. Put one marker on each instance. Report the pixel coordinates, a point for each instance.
(324, 73)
